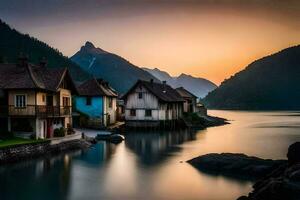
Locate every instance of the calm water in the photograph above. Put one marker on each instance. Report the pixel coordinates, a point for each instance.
(148, 165)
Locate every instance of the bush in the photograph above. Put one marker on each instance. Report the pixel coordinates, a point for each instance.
(70, 130)
(59, 132)
(6, 135)
(32, 136)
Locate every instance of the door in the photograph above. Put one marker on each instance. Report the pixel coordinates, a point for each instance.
(49, 128)
(108, 120)
(49, 100)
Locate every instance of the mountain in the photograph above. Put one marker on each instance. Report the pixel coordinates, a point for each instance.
(198, 86)
(270, 83)
(120, 73)
(14, 43)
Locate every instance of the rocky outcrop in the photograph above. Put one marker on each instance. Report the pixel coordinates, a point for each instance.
(282, 183)
(25, 151)
(235, 165)
(279, 179)
(294, 153)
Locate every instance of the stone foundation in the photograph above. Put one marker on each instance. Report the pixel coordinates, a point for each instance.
(27, 151)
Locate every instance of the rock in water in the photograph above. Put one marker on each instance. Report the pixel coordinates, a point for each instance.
(282, 183)
(293, 154)
(235, 165)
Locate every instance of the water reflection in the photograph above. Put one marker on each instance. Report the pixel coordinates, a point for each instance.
(154, 148)
(147, 165)
(98, 154)
(38, 179)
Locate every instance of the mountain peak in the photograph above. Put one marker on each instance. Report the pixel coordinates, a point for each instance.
(90, 48)
(89, 44)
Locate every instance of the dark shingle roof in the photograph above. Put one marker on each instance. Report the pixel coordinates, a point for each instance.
(185, 93)
(162, 91)
(28, 76)
(96, 87)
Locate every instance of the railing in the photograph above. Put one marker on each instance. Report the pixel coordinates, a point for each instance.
(32, 110)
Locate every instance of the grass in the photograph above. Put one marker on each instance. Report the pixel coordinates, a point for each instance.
(15, 141)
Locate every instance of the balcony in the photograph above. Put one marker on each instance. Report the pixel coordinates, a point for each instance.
(32, 110)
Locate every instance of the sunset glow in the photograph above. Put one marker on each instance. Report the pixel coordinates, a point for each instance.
(201, 38)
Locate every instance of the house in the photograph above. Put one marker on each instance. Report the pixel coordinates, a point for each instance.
(98, 101)
(190, 100)
(201, 109)
(120, 110)
(35, 100)
(147, 104)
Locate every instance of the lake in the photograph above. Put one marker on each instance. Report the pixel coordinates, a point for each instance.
(152, 165)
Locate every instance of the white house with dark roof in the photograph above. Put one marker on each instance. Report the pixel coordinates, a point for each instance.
(149, 103)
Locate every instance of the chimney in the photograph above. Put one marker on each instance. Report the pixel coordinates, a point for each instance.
(100, 80)
(164, 86)
(105, 83)
(23, 60)
(43, 62)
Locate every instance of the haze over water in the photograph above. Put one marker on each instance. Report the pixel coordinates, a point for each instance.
(152, 165)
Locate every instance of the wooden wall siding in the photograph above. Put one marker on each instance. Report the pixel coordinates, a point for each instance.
(30, 96)
(65, 93)
(112, 112)
(140, 115)
(149, 101)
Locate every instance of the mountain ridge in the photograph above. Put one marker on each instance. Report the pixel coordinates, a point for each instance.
(269, 83)
(198, 86)
(102, 64)
(13, 44)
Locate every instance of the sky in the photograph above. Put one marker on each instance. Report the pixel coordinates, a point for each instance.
(212, 39)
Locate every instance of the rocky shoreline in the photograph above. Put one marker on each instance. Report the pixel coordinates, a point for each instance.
(235, 165)
(28, 151)
(203, 121)
(275, 179)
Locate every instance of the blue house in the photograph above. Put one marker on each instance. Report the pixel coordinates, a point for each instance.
(98, 101)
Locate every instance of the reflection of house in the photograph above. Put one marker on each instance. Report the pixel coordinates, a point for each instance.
(35, 99)
(190, 100)
(97, 100)
(149, 103)
(120, 110)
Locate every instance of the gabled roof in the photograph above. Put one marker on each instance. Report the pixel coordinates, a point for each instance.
(28, 76)
(185, 93)
(162, 91)
(96, 87)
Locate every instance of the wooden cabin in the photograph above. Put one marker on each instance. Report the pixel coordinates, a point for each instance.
(190, 100)
(148, 103)
(97, 100)
(35, 100)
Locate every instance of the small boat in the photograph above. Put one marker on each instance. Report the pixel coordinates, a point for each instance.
(113, 138)
(116, 138)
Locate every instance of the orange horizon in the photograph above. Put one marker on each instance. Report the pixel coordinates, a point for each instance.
(204, 39)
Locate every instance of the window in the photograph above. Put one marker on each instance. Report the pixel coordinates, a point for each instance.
(43, 98)
(49, 100)
(66, 101)
(110, 102)
(132, 112)
(88, 101)
(140, 95)
(148, 113)
(20, 101)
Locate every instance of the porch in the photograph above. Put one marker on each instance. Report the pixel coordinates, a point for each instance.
(36, 110)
